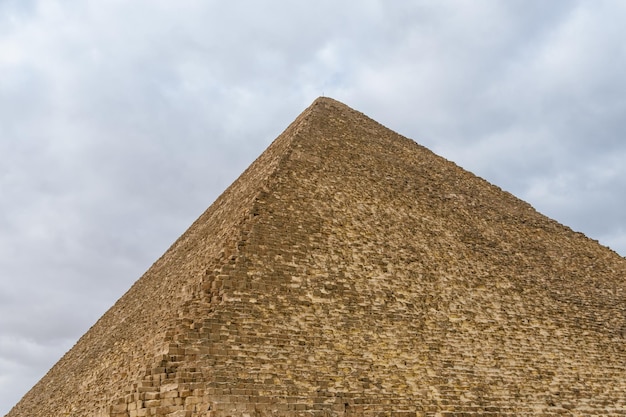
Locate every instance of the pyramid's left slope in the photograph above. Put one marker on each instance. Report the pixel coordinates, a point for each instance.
(135, 336)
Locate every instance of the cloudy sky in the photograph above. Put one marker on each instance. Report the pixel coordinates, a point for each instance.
(121, 121)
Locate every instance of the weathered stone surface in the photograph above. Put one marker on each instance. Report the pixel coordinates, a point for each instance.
(350, 271)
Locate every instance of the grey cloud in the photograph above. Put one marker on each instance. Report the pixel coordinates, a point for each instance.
(22, 361)
(588, 197)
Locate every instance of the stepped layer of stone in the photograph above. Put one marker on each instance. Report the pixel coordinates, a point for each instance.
(350, 271)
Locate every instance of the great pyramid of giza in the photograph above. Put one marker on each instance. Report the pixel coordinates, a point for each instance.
(350, 271)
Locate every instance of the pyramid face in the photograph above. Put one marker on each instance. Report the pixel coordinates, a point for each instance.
(350, 271)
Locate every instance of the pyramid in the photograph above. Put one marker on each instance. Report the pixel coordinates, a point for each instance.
(351, 271)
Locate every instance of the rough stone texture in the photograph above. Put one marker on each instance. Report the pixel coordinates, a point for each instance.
(350, 271)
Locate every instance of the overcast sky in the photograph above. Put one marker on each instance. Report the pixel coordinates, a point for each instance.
(121, 121)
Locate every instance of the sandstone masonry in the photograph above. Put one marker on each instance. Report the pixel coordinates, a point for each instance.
(350, 271)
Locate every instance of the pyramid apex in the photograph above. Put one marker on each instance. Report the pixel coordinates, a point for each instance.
(324, 100)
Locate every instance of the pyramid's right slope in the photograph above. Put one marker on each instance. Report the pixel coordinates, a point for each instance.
(364, 275)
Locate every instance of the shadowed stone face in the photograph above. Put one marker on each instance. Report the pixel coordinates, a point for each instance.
(350, 271)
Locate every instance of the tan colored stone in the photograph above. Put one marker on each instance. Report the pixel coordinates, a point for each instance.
(351, 272)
